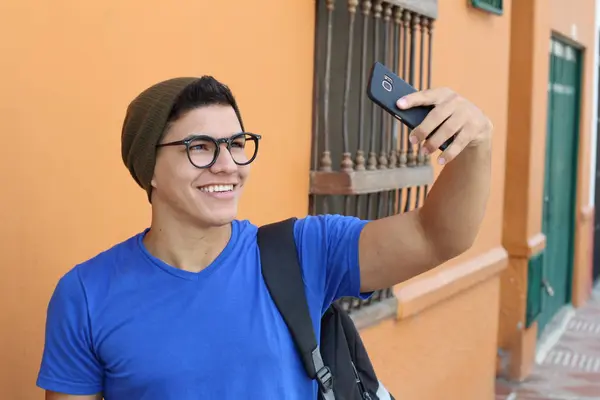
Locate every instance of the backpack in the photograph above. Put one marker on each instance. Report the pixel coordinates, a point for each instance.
(340, 364)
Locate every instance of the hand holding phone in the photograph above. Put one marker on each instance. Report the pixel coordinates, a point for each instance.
(385, 88)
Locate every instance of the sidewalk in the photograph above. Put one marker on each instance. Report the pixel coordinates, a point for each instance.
(568, 369)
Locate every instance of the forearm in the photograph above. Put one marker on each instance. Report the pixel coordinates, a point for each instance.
(454, 209)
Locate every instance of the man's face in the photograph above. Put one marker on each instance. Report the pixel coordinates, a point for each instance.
(199, 195)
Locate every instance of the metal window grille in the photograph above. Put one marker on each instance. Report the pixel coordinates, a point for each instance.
(362, 161)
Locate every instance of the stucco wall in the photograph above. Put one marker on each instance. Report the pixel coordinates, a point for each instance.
(68, 71)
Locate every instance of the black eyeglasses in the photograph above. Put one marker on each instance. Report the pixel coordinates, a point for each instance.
(203, 151)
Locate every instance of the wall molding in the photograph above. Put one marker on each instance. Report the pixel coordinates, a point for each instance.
(586, 213)
(429, 289)
(534, 245)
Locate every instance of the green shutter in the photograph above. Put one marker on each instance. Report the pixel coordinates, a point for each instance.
(560, 180)
(491, 6)
(534, 288)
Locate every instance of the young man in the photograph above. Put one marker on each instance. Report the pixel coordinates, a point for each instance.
(180, 311)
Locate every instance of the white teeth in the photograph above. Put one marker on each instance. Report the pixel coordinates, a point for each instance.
(217, 188)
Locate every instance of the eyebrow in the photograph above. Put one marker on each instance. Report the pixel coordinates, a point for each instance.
(195, 135)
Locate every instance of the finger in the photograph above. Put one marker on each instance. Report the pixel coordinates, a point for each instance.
(434, 119)
(458, 145)
(426, 97)
(446, 130)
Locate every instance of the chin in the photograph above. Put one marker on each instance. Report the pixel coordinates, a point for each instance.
(219, 218)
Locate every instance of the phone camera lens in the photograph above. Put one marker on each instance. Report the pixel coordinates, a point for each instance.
(387, 86)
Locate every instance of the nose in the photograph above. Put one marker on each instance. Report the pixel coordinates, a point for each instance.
(224, 162)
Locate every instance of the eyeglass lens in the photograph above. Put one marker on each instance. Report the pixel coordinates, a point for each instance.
(202, 151)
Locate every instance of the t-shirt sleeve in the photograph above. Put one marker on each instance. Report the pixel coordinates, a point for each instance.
(328, 251)
(69, 364)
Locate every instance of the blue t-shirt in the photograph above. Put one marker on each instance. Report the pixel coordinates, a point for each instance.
(127, 324)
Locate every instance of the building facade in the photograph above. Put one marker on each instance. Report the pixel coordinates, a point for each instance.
(297, 69)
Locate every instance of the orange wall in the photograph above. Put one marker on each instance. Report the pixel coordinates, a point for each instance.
(68, 71)
(446, 352)
(449, 349)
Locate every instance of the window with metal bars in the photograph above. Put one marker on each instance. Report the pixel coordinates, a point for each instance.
(492, 6)
(362, 162)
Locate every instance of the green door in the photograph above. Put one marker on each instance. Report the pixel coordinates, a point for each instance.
(558, 223)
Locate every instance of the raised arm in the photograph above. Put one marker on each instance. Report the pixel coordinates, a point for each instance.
(399, 247)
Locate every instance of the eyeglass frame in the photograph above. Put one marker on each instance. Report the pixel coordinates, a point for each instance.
(228, 141)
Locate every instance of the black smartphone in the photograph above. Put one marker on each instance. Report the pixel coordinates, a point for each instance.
(385, 88)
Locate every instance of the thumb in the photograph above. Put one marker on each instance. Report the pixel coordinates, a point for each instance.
(426, 97)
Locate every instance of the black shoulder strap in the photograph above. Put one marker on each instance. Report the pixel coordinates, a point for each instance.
(283, 276)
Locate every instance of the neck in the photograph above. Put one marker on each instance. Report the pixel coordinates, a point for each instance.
(187, 247)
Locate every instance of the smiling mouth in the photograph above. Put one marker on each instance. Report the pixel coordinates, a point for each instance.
(217, 188)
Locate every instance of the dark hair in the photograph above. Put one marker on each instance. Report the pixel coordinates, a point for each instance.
(205, 91)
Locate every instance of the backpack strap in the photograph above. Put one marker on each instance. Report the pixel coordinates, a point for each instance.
(283, 277)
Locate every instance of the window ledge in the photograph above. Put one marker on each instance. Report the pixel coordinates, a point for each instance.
(363, 182)
(428, 8)
(374, 313)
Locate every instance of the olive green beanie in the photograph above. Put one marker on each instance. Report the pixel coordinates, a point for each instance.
(144, 125)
